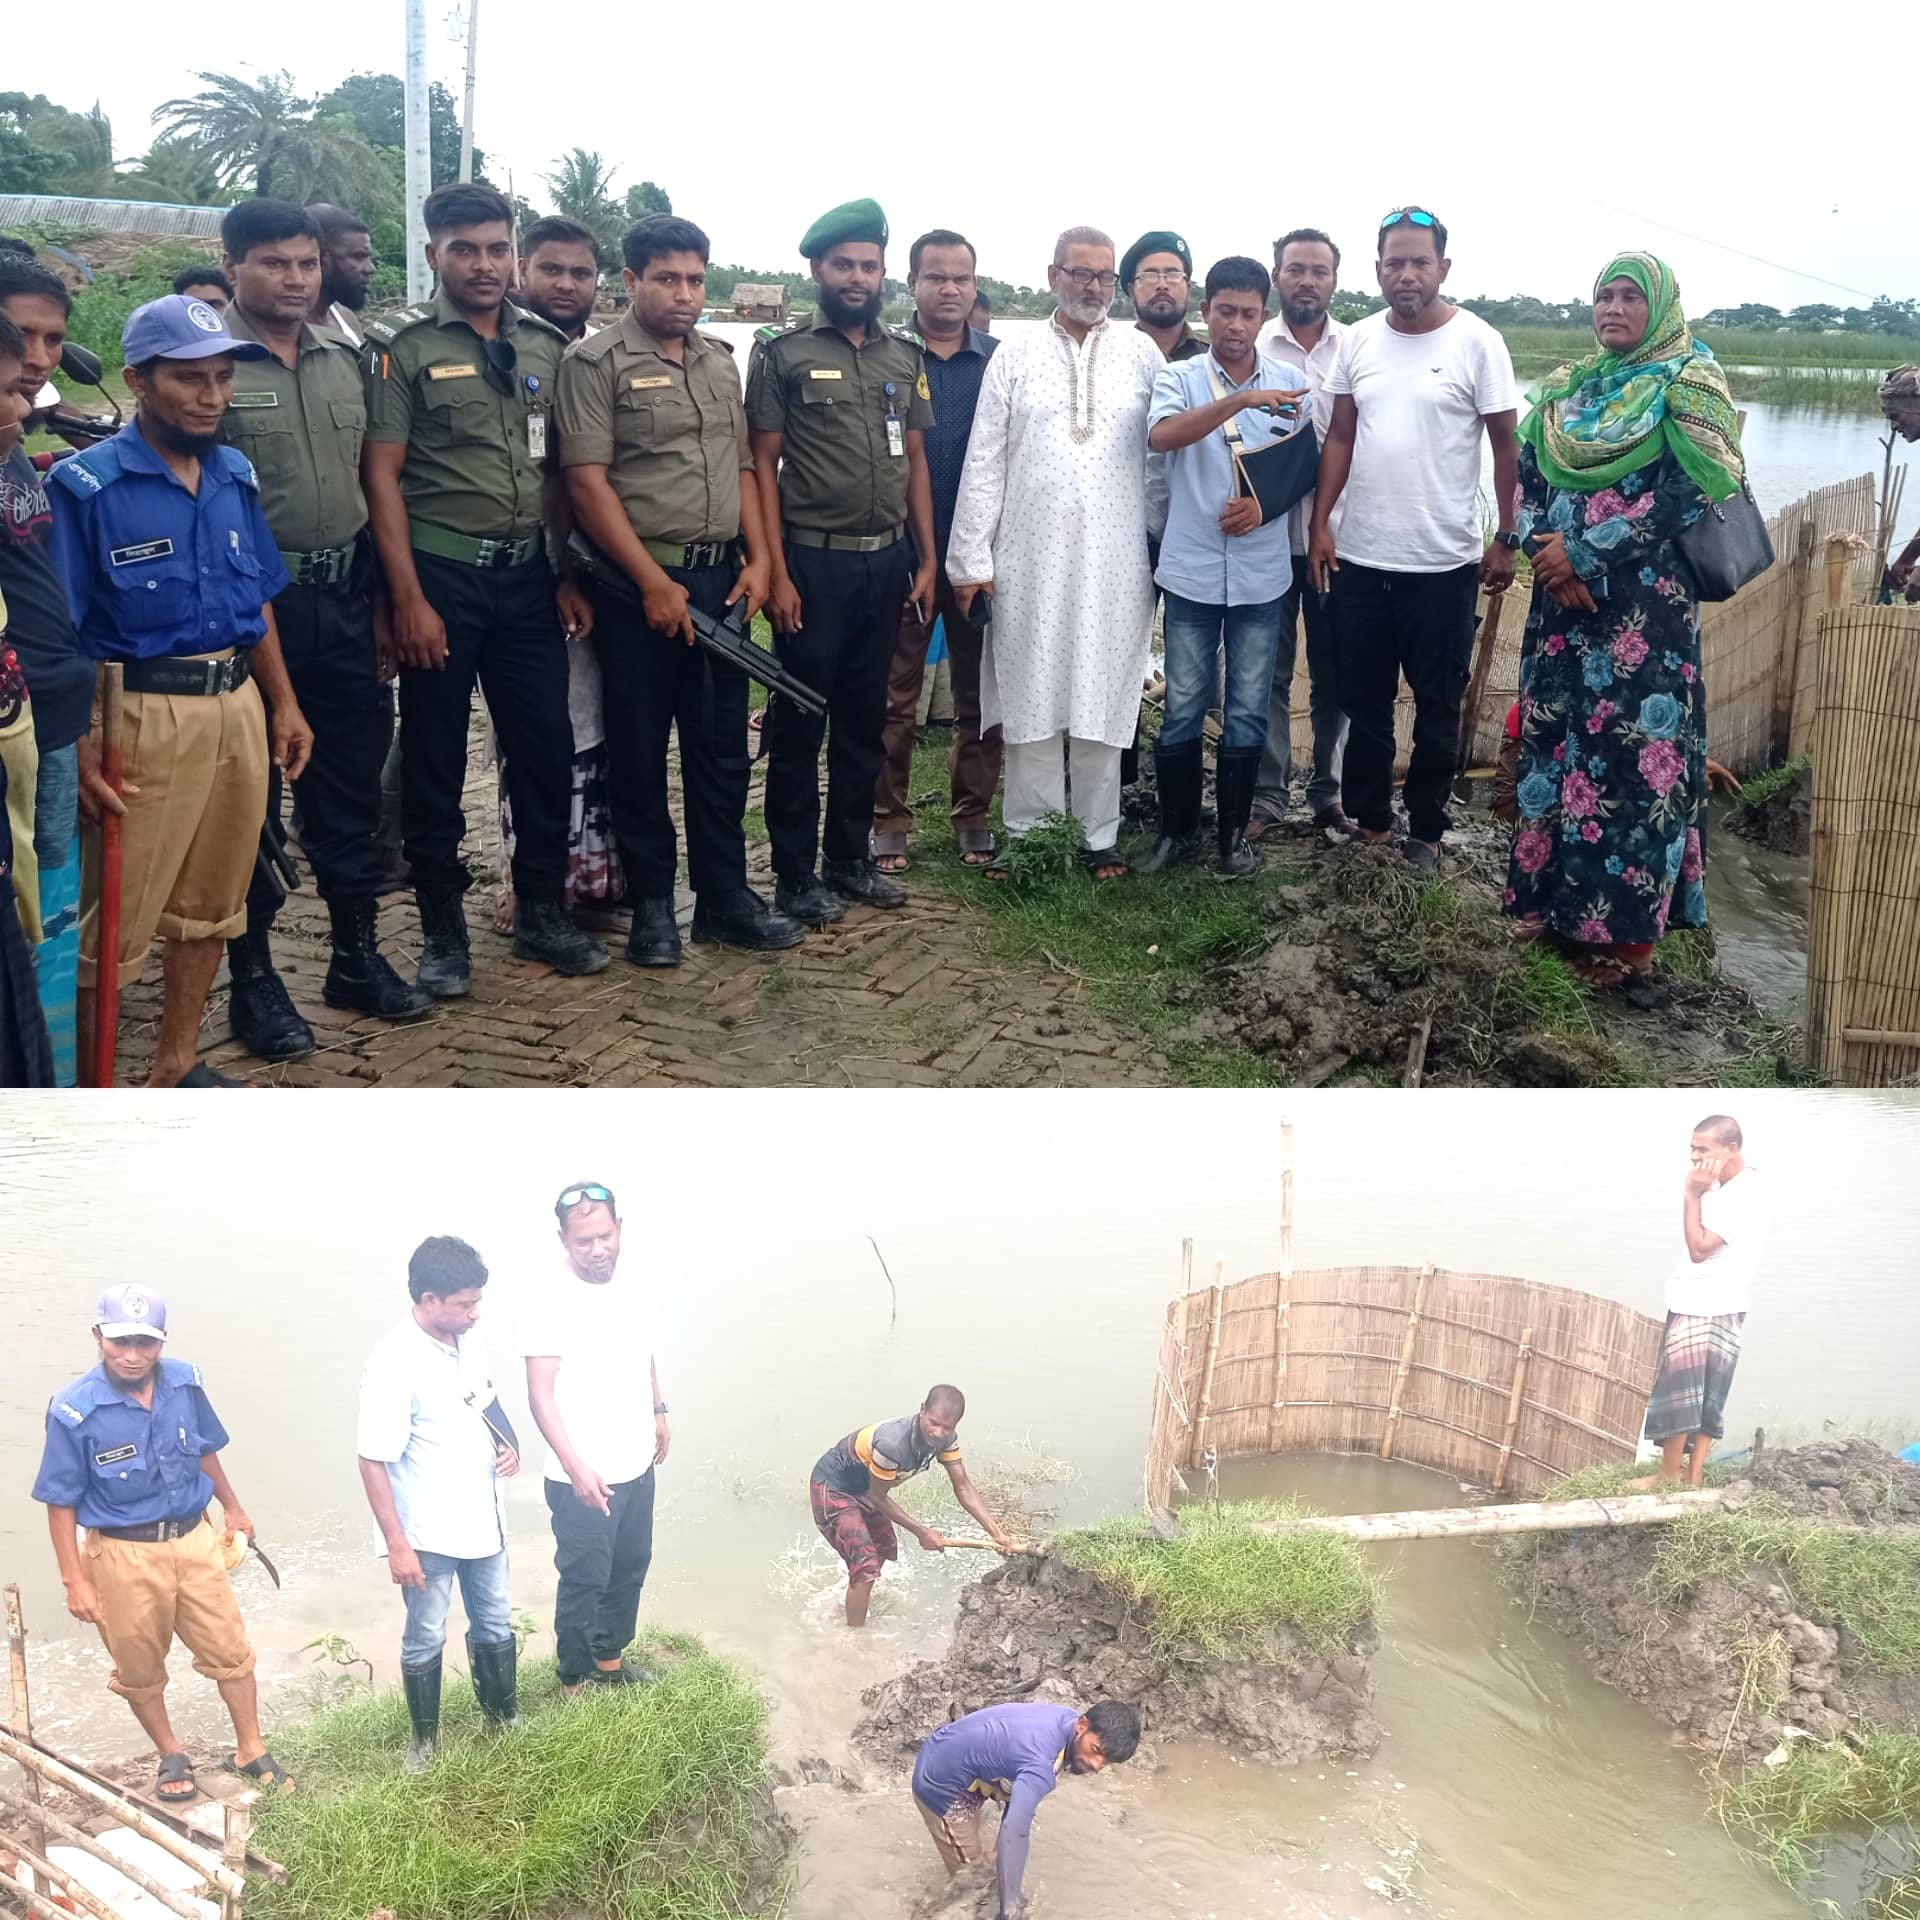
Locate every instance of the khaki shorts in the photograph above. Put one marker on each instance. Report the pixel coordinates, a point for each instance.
(192, 832)
(961, 1835)
(151, 1590)
(21, 757)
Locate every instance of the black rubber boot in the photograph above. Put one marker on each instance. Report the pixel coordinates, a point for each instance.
(358, 976)
(743, 919)
(446, 962)
(807, 901)
(654, 940)
(1235, 770)
(862, 881)
(544, 930)
(493, 1665)
(421, 1685)
(265, 1020)
(1176, 774)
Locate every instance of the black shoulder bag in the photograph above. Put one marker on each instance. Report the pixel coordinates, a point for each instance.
(1726, 547)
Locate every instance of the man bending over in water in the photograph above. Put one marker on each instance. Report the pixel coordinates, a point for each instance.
(1013, 1754)
(852, 1491)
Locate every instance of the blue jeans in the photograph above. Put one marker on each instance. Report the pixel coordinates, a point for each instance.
(483, 1592)
(1195, 632)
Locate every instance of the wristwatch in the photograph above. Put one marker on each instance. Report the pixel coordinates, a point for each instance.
(1510, 540)
(659, 1406)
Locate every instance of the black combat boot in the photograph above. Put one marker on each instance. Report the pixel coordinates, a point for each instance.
(492, 1664)
(862, 881)
(421, 1685)
(1176, 775)
(654, 940)
(358, 976)
(742, 919)
(446, 962)
(544, 930)
(1235, 770)
(265, 1020)
(807, 901)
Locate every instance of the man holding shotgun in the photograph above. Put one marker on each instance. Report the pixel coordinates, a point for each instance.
(854, 1481)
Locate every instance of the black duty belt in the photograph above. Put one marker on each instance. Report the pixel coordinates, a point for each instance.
(844, 542)
(154, 1529)
(323, 567)
(185, 676)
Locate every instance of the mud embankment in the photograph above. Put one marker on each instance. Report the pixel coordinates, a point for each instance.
(1781, 819)
(1739, 1658)
(1037, 1629)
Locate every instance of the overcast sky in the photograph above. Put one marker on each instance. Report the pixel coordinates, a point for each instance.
(1009, 119)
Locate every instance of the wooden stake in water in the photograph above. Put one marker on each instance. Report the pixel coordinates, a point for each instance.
(1405, 1368)
(21, 1712)
(1514, 1394)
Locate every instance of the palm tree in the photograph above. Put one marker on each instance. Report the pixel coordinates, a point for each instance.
(582, 186)
(177, 171)
(260, 134)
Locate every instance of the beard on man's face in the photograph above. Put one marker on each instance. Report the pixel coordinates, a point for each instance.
(1161, 309)
(850, 308)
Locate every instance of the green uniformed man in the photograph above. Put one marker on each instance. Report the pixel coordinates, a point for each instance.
(461, 485)
(300, 415)
(653, 438)
(843, 401)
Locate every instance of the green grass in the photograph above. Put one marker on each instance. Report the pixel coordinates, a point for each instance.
(1688, 953)
(636, 1804)
(1221, 1590)
(1757, 789)
(1542, 991)
(1786, 1813)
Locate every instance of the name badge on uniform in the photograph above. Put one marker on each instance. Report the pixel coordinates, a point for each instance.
(823, 373)
(453, 373)
(896, 436)
(536, 436)
(253, 400)
(114, 1455)
(145, 550)
(651, 380)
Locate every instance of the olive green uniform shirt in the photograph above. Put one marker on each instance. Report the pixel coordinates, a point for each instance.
(672, 434)
(302, 426)
(475, 435)
(830, 401)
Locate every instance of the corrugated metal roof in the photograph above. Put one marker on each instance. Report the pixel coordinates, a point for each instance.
(111, 216)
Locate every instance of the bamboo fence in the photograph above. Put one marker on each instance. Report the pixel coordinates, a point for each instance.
(1508, 1383)
(1863, 933)
(1759, 650)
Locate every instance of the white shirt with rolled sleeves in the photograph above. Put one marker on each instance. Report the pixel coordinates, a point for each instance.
(1277, 342)
(1723, 1281)
(422, 1408)
(602, 1335)
(1412, 499)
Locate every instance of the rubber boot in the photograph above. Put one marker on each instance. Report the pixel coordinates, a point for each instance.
(421, 1685)
(446, 962)
(1176, 772)
(493, 1664)
(1235, 769)
(265, 1020)
(358, 976)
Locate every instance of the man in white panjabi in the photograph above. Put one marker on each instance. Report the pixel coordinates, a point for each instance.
(1052, 517)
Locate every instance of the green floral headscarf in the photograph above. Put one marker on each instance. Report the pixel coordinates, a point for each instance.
(1602, 417)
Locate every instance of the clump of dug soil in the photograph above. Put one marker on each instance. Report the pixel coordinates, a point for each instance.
(1795, 1612)
(1775, 809)
(1039, 1628)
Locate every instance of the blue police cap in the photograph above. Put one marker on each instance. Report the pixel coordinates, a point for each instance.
(131, 1312)
(176, 328)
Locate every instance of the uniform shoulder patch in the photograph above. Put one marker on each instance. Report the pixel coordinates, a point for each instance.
(594, 346)
(239, 466)
(768, 333)
(181, 1373)
(908, 335)
(388, 325)
(71, 1405)
(88, 472)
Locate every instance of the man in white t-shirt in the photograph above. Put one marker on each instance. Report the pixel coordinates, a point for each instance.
(434, 1447)
(1396, 536)
(1723, 1221)
(594, 1387)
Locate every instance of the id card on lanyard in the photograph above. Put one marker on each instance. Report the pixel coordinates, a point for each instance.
(537, 437)
(896, 431)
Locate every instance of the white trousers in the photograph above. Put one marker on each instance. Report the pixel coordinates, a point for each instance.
(1037, 779)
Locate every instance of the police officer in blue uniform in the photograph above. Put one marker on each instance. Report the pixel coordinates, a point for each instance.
(133, 1455)
(169, 567)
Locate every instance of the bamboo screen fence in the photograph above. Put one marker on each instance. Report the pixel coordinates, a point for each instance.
(1863, 933)
(1505, 1382)
(1759, 650)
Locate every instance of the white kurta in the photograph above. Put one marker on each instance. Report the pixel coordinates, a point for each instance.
(1060, 528)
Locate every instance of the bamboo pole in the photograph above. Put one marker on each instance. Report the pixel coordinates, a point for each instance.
(1206, 1378)
(1513, 1407)
(182, 1904)
(21, 1709)
(67, 1887)
(237, 1824)
(1839, 565)
(1406, 1363)
(1283, 1290)
(37, 1904)
(37, 1760)
(1487, 645)
(1786, 677)
(1535, 1516)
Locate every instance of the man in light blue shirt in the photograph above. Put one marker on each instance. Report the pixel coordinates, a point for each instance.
(1224, 574)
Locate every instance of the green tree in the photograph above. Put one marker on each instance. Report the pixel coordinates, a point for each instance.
(646, 198)
(262, 136)
(375, 105)
(177, 171)
(48, 148)
(582, 188)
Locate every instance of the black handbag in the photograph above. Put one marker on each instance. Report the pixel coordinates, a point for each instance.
(1278, 476)
(1726, 547)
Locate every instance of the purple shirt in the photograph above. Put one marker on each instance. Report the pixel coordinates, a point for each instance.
(1013, 1753)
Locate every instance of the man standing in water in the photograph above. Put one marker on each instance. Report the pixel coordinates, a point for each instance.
(853, 1483)
(1723, 1222)
(1014, 1754)
(133, 1455)
(589, 1345)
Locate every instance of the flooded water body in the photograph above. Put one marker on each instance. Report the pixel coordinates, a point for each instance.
(1033, 1246)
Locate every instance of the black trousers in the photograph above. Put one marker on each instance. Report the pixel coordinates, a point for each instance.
(602, 1560)
(1386, 624)
(504, 631)
(653, 684)
(326, 638)
(850, 615)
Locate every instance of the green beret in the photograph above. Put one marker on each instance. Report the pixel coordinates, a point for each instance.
(1161, 240)
(856, 220)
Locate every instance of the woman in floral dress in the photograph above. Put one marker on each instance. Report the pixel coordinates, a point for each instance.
(1620, 453)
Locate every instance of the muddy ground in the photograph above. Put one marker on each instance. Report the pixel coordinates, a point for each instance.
(1783, 821)
(1038, 1629)
(1738, 1663)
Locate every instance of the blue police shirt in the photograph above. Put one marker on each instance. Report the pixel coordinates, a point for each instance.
(119, 1464)
(152, 570)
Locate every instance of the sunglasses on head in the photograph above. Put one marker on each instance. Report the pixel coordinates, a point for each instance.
(573, 1196)
(1415, 216)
